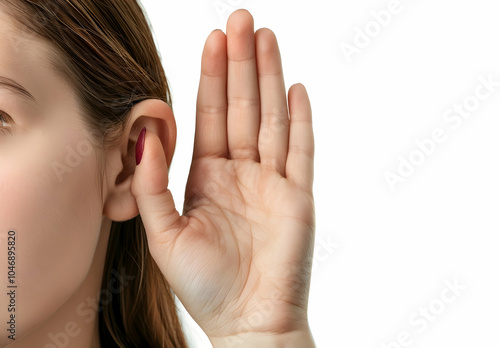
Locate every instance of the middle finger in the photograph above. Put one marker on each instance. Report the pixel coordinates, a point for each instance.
(243, 89)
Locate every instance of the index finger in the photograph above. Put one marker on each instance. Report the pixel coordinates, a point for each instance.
(211, 105)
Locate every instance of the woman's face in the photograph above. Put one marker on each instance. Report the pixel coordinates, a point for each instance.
(49, 199)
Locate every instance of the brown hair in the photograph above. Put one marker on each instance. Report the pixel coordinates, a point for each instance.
(105, 50)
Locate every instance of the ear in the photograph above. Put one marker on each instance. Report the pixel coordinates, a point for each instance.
(157, 117)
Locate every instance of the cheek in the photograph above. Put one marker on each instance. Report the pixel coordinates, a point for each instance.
(56, 219)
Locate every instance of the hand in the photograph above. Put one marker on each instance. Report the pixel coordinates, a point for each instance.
(239, 258)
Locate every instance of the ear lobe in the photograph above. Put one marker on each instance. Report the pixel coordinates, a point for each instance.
(158, 118)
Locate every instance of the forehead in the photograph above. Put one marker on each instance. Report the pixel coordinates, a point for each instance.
(29, 58)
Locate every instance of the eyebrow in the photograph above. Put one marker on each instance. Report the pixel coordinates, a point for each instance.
(15, 87)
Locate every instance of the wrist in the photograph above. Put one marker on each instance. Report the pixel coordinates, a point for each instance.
(293, 339)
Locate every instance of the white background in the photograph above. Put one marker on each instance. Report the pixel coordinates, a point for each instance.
(381, 255)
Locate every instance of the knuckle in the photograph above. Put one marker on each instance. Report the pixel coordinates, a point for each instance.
(245, 152)
(243, 102)
(301, 150)
(207, 109)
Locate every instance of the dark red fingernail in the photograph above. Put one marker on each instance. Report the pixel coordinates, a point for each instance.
(139, 147)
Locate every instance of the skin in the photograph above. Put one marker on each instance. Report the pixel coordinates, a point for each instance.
(60, 229)
(239, 257)
(247, 231)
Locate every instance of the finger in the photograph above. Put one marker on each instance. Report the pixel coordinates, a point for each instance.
(273, 134)
(300, 161)
(211, 106)
(154, 199)
(243, 90)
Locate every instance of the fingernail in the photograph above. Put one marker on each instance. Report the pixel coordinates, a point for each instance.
(139, 147)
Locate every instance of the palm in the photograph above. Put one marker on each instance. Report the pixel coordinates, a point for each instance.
(238, 242)
(243, 247)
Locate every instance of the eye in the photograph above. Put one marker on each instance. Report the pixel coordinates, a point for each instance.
(4, 120)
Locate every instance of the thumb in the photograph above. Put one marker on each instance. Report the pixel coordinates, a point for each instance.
(149, 187)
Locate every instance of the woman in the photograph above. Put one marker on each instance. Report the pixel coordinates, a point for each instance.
(94, 245)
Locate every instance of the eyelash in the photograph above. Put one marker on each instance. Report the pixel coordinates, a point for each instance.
(5, 118)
